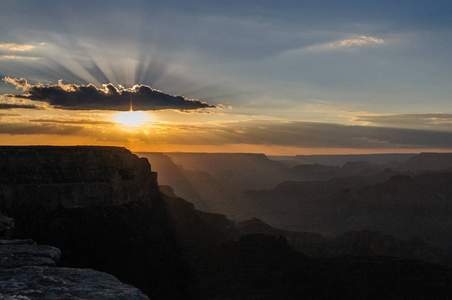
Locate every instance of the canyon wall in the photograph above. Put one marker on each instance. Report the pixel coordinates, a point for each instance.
(70, 177)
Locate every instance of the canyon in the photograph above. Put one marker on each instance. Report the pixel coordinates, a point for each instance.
(103, 208)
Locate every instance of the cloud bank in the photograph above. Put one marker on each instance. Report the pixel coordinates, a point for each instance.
(330, 135)
(89, 97)
(12, 106)
(263, 132)
(20, 84)
(16, 47)
(438, 121)
(77, 122)
(360, 41)
(31, 129)
(11, 57)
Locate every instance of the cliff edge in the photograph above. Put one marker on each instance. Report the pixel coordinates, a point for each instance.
(69, 177)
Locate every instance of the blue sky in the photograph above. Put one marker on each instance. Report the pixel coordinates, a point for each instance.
(383, 64)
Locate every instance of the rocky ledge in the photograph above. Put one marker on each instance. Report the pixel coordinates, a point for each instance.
(19, 253)
(27, 271)
(79, 176)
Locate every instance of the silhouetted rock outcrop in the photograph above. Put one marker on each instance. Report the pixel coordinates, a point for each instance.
(360, 168)
(427, 162)
(194, 186)
(102, 207)
(340, 160)
(80, 176)
(376, 244)
(402, 206)
(353, 243)
(108, 215)
(316, 172)
(311, 244)
(215, 181)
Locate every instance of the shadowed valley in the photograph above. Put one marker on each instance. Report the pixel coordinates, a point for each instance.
(337, 235)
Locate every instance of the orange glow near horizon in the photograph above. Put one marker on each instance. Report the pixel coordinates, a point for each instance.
(271, 149)
(24, 140)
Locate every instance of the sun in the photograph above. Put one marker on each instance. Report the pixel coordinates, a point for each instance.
(131, 118)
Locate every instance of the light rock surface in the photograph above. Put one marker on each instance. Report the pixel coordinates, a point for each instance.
(27, 272)
(63, 283)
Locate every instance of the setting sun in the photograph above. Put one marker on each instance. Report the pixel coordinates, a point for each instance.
(131, 118)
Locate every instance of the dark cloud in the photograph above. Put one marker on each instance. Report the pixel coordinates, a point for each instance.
(264, 132)
(19, 128)
(89, 97)
(15, 105)
(317, 135)
(419, 120)
(296, 134)
(9, 115)
(79, 122)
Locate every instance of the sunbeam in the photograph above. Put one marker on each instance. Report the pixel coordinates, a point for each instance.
(131, 118)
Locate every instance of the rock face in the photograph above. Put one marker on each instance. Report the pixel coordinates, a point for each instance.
(6, 226)
(61, 196)
(339, 160)
(19, 253)
(63, 283)
(101, 206)
(427, 161)
(402, 206)
(312, 244)
(213, 181)
(69, 177)
(363, 243)
(132, 241)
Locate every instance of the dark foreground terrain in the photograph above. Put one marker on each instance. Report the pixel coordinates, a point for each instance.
(102, 207)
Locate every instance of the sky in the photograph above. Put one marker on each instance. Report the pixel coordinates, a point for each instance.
(275, 77)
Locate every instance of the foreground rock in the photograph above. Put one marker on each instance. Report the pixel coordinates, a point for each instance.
(27, 271)
(97, 216)
(19, 253)
(63, 283)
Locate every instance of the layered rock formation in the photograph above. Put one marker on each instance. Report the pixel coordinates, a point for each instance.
(105, 213)
(427, 162)
(69, 177)
(101, 206)
(214, 181)
(19, 253)
(339, 160)
(363, 243)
